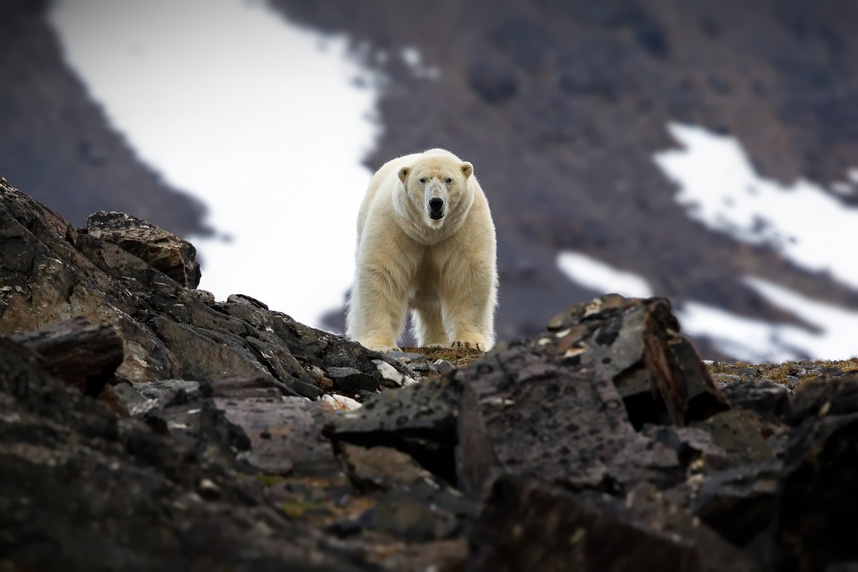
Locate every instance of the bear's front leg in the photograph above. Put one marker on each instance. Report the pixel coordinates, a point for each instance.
(468, 299)
(378, 306)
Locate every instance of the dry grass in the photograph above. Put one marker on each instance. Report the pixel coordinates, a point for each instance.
(459, 358)
(779, 372)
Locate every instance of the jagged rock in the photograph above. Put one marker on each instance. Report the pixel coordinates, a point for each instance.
(564, 406)
(838, 396)
(739, 503)
(81, 354)
(412, 514)
(655, 369)
(648, 507)
(353, 381)
(419, 512)
(419, 420)
(817, 498)
(739, 434)
(254, 423)
(158, 248)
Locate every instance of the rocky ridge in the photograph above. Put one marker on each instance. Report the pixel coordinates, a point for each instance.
(227, 435)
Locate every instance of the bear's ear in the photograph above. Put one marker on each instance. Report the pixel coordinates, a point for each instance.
(467, 169)
(403, 173)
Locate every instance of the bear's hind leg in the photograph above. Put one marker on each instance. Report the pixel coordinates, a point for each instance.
(428, 322)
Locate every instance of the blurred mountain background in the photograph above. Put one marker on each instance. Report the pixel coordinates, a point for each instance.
(563, 106)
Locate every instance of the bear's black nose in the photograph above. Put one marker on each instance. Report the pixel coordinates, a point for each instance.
(436, 204)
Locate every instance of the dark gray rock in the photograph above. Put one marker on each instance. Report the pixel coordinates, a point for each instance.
(763, 397)
(419, 420)
(817, 496)
(740, 434)
(83, 490)
(156, 247)
(693, 447)
(837, 396)
(527, 525)
(563, 406)
(739, 503)
(351, 381)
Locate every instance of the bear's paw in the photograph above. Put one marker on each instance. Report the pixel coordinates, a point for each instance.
(468, 345)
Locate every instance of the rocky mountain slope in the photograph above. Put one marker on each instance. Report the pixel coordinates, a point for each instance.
(144, 425)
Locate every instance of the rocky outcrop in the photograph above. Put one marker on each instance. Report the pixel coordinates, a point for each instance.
(227, 435)
(123, 271)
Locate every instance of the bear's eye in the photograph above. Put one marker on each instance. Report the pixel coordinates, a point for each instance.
(422, 179)
(449, 180)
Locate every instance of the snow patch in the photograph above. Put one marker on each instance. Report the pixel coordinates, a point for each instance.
(718, 187)
(265, 122)
(600, 277)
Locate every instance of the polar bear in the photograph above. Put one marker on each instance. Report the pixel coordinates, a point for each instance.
(425, 243)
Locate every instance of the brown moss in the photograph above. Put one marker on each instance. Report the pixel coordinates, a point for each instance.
(457, 357)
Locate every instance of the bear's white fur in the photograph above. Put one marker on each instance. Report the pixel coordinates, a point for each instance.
(442, 269)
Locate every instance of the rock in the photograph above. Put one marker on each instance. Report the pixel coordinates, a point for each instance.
(353, 381)
(419, 420)
(421, 512)
(563, 406)
(837, 396)
(158, 248)
(655, 369)
(647, 507)
(285, 434)
(82, 354)
(604, 430)
(528, 525)
(379, 468)
(763, 397)
(341, 402)
(816, 498)
(693, 447)
(739, 503)
(254, 423)
(111, 400)
(739, 434)
(443, 366)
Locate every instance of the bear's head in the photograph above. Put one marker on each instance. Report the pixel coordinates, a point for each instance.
(436, 187)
